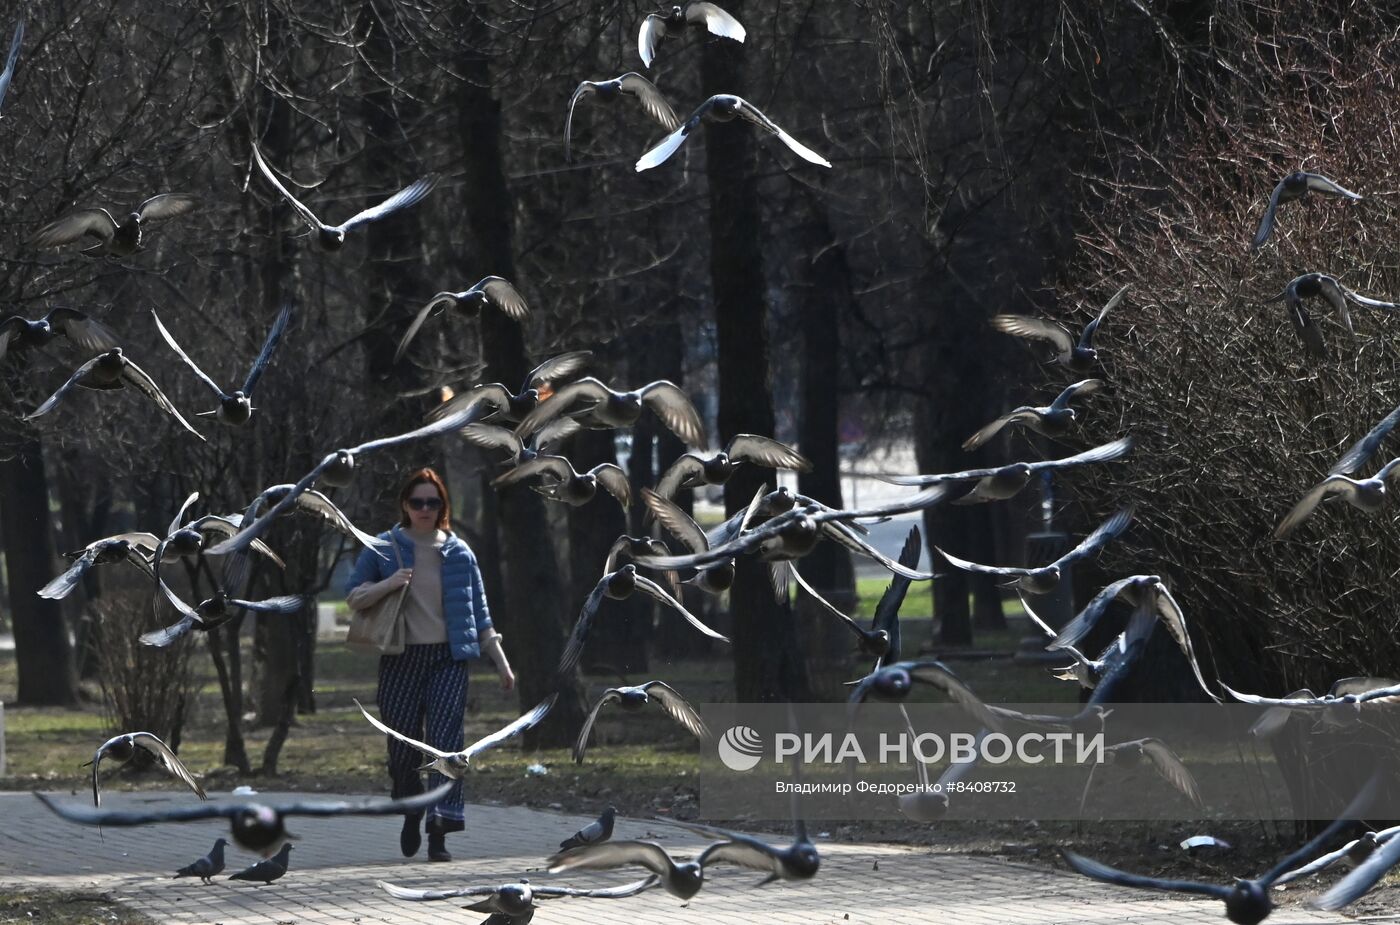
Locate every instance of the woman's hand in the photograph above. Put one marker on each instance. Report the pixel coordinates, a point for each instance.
(398, 579)
(507, 676)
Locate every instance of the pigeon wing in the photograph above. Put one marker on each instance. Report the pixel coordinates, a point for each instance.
(585, 88)
(1317, 183)
(573, 649)
(653, 30)
(172, 762)
(52, 401)
(306, 214)
(656, 592)
(1098, 871)
(401, 200)
(274, 337)
(166, 205)
(87, 332)
(651, 99)
(614, 480)
(513, 728)
(581, 744)
(1361, 451)
(1086, 339)
(673, 406)
(753, 114)
(676, 521)
(765, 451)
(421, 746)
(667, 146)
(1103, 534)
(174, 345)
(8, 74)
(503, 295)
(97, 223)
(136, 376)
(678, 707)
(587, 389)
(1332, 485)
(1036, 329)
(1266, 224)
(687, 466)
(715, 19)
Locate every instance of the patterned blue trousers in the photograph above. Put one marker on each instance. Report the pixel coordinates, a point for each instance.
(424, 686)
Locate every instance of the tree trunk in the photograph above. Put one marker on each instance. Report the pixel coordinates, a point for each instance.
(534, 608)
(617, 642)
(658, 352)
(43, 653)
(768, 663)
(231, 690)
(277, 638)
(822, 295)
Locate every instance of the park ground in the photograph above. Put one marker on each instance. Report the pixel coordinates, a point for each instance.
(640, 764)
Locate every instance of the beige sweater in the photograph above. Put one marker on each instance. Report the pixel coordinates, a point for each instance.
(425, 622)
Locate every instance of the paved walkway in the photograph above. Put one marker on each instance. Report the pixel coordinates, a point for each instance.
(336, 862)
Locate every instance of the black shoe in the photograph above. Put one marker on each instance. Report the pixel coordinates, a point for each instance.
(409, 839)
(437, 847)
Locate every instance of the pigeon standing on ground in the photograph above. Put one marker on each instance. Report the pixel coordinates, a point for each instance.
(264, 872)
(595, 833)
(211, 865)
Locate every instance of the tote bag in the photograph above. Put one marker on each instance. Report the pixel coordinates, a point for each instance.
(379, 628)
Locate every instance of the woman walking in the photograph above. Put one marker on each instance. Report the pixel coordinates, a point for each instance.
(423, 692)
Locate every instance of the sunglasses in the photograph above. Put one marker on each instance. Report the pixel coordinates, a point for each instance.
(425, 504)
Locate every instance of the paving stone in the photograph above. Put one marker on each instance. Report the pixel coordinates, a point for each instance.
(336, 861)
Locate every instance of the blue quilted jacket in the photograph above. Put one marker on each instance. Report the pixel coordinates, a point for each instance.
(463, 595)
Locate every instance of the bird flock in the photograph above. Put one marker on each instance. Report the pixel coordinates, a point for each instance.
(530, 425)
